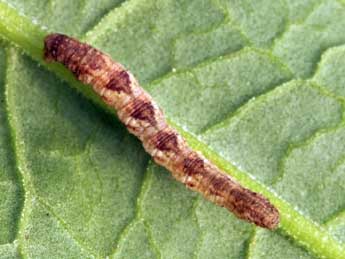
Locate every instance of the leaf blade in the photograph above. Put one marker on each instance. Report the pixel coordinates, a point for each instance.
(311, 234)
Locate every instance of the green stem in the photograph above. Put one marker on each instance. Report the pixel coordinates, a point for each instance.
(29, 37)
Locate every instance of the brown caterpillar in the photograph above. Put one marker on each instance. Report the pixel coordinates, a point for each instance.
(143, 118)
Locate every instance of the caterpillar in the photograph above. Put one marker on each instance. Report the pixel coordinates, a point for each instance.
(141, 115)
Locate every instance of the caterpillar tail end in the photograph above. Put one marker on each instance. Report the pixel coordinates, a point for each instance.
(271, 219)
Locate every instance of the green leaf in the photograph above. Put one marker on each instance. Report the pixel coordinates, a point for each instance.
(257, 86)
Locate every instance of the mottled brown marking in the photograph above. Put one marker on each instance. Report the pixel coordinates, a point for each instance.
(52, 44)
(120, 82)
(253, 207)
(143, 110)
(238, 195)
(166, 141)
(193, 165)
(69, 52)
(91, 66)
(91, 61)
(96, 61)
(217, 184)
(73, 63)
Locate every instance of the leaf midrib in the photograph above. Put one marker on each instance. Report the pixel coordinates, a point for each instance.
(311, 236)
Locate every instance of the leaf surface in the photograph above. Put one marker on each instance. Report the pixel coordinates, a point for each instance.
(256, 86)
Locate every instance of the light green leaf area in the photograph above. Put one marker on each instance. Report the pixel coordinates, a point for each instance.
(302, 45)
(73, 17)
(257, 86)
(9, 251)
(11, 203)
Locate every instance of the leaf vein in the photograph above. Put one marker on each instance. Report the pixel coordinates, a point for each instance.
(137, 215)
